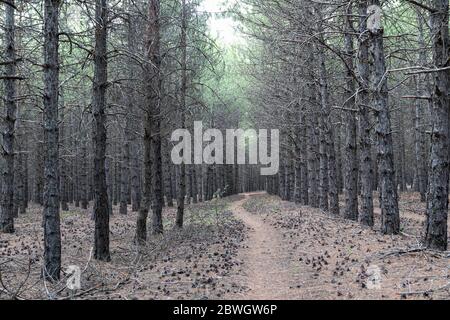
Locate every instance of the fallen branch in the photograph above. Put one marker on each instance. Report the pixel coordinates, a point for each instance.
(400, 252)
(82, 293)
(15, 295)
(425, 292)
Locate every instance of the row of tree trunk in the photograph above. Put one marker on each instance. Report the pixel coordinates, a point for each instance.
(310, 174)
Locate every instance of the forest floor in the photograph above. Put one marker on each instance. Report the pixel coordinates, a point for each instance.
(251, 246)
(310, 254)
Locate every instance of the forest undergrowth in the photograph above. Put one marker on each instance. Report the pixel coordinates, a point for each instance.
(192, 263)
(335, 258)
(249, 247)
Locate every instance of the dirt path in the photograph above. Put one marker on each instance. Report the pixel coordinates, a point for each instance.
(267, 267)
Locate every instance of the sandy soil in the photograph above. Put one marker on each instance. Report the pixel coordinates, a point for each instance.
(265, 263)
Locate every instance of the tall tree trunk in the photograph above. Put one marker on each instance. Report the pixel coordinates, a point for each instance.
(189, 191)
(76, 173)
(328, 134)
(23, 186)
(365, 149)
(282, 173)
(420, 148)
(51, 221)
(101, 212)
(313, 160)
(117, 174)
(304, 158)
(210, 182)
(25, 177)
(289, 174)
(125, 177)
(338, 148)
(156, 141)
(182, 181)
(350, 147)
(168, 173)
(194, 190)
(135, 175)
(7, 203)
(152, 130)
(200, 183)
(84, 175)
(129, 126)
(141, 224)
(323, 158)
(63, 167)
(134, 112)
(419, 116)
(437, 207)
(388, 188)
(298, 157)
(402, 152)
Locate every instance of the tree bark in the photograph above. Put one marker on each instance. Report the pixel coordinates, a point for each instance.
(125, 177)
(328, 136)
(365, 149)
(298, 156)
(152, 129)
(419, 117)
(390, 219)
(51, 221)
(304, 158)
(84, 174)
(168, 174)
(437, 206)
(101, 212)
(182, 181)
(7, 203)
(313, 161)
(63, 167)
(350, 167)
(194, 190)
